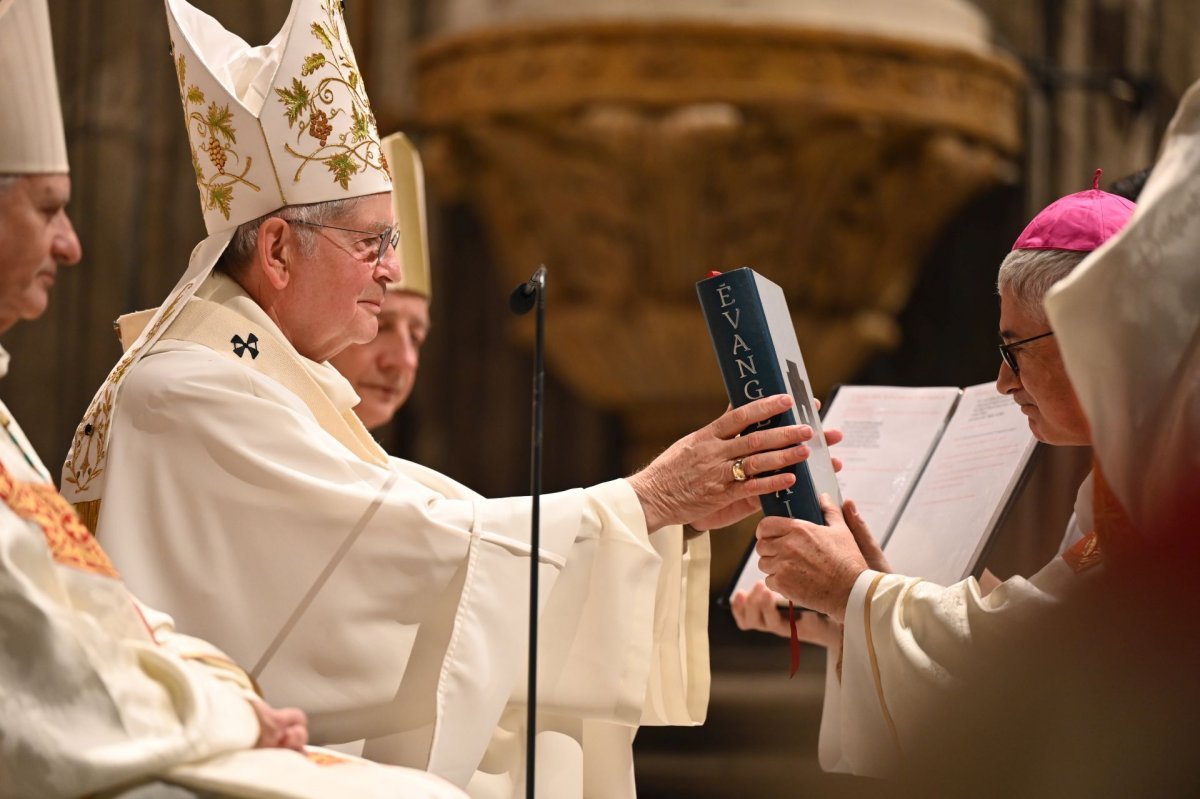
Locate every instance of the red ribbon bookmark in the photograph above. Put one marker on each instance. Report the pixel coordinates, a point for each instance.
(795, 641)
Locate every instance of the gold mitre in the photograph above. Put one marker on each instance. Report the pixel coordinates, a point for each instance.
(288, 123)
(408, 204)
(31, 126)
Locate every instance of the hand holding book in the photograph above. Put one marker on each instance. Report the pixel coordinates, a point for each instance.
(756, 348)
(815, 566)
(694, 480)
(757, 608)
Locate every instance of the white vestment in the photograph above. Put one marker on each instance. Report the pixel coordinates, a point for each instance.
(907, 641)
(98, 691)
(385, 599)
(1128, 323)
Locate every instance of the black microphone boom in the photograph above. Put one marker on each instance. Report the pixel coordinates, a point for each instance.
(523, 298)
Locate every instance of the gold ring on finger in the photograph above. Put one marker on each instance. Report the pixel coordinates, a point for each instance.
(739, 471)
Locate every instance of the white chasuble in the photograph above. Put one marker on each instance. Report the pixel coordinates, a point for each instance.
(388, 601)
(906, 642)
(99, 692)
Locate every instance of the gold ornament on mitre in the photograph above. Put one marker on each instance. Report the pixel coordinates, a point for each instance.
(287, 123)
(408, 204)
(31, 127)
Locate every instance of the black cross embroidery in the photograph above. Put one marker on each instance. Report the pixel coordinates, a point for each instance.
(239, 346)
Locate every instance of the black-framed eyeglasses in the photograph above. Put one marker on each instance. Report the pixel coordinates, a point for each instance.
(1010, 357)
(388, 237)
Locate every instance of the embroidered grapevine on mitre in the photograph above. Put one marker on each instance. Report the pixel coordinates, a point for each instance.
(214, 124)
(311, 110)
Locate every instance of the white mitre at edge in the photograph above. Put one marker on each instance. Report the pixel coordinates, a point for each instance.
(31, 127)
(1127, 321)
(408, 205)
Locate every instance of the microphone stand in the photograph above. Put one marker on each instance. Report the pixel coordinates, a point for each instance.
(520, 303)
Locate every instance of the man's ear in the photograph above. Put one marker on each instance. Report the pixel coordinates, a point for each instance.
(277, 249)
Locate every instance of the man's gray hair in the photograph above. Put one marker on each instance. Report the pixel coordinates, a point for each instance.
(7, 182)
(1029, 274)
(241, 247)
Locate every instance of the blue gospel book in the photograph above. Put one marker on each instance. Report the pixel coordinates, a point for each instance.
(759, 355)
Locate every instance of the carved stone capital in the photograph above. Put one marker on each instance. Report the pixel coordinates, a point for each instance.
(634, 158)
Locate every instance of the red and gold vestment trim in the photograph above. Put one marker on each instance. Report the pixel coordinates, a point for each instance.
(70, 541)
(1084, 553)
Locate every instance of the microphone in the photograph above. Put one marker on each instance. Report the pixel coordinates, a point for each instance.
(521, 301)
(523, 297)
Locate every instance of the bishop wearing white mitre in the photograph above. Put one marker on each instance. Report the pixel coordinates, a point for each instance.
(224, 469)
(98, 693)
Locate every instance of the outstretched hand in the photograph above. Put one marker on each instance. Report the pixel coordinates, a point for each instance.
(696, 480)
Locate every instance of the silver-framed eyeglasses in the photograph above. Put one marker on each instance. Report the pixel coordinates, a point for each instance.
(1007, 351)
(388, 237)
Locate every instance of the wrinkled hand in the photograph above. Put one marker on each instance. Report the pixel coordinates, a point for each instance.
(812, 565)
(758, 609)
(692, 481)
(280, 728)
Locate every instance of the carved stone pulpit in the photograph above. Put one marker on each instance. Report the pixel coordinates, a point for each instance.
(633, 152)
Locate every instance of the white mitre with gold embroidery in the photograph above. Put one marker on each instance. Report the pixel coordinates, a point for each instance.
(287, 123)
(408, 206)
(31, 126)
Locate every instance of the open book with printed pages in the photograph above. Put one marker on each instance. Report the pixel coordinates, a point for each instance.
(933, 472)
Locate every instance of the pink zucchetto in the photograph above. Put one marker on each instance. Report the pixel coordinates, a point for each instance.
(1080, 222)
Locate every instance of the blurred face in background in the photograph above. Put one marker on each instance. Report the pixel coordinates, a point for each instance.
(384, 369)
(36, 237)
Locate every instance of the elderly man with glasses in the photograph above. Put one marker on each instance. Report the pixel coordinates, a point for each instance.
(898, 644)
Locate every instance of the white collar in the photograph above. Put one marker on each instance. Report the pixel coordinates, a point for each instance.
(223, 290)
